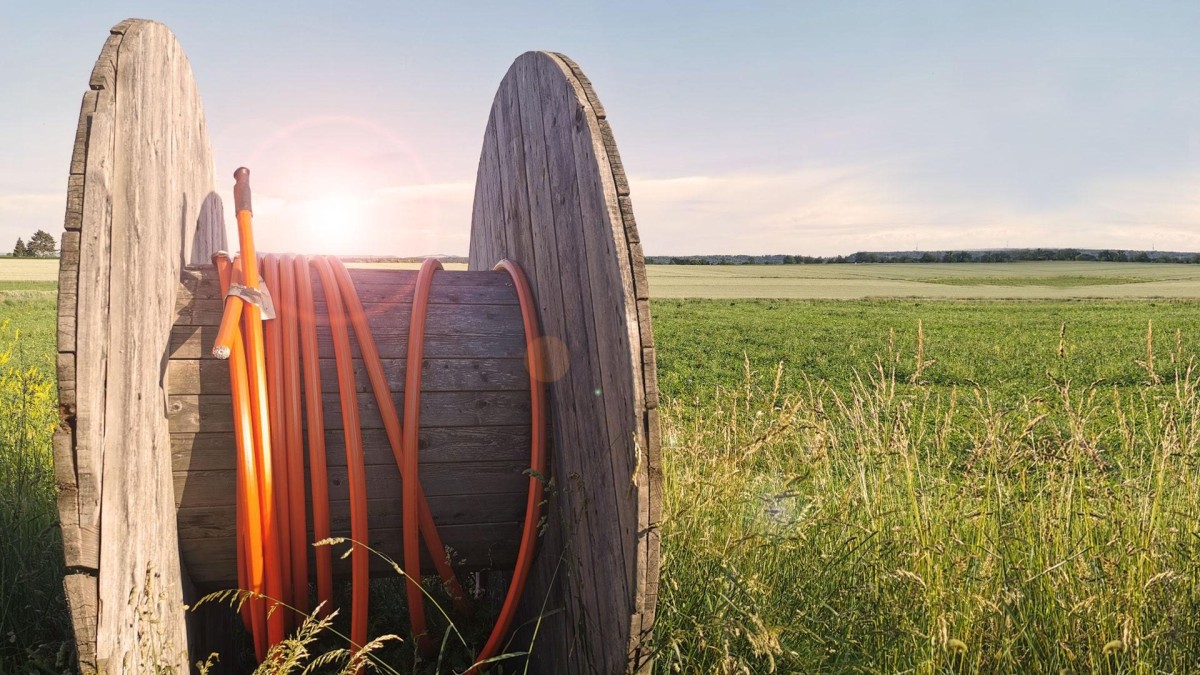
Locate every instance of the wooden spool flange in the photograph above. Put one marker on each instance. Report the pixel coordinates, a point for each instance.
(551, 193)
(144, 454)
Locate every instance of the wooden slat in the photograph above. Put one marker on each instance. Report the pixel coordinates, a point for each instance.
(194, 376)
(79, 150)
(215, 488)
(647, 472)
(214, 522)
(82, 596)
(195, 342)
(77, 445)
(199, 283)
(212, 450)
(91, 319)
(473, 547)
(488, 243)
(191, 413)
(160, 180)
(556, 304)
(589, 260)
(140, 198)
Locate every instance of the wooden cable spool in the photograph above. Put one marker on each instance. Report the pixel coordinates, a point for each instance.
(144, 455)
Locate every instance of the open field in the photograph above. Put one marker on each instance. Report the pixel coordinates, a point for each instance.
(1031, 280)
(1028, 280)
(865, 486)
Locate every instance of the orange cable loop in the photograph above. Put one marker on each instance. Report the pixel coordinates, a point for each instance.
(275, 381)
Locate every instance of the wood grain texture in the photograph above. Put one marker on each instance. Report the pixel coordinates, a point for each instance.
(140, 203)
(551, 194)
(474, 438)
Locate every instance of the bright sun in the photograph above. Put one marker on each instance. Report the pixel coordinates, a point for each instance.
(334, 224)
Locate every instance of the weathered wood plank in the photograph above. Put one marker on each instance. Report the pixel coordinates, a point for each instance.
(79, 149)
(153, 179)
(74, 213)
(646, 476)
(211, 450)
(195, 342)
(68, 492)
(199, 288)
(91, 319)
(209, 522)
(76, 463)
(82, 594)
(590, 261)
(460, 319)
(557, 306)
(66, 385)
(191, 413)
(472, 548)
(601, 561)
(487, 243)
(196, 376)
(215, 488)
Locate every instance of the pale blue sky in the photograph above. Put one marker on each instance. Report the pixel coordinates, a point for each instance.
(815, 128)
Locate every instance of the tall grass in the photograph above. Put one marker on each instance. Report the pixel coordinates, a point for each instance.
(900, 527)
(33, 625)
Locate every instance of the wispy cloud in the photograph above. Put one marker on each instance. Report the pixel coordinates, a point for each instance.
(841, 210)
(819, 211)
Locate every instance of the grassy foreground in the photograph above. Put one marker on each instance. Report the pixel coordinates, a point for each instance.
(929, 487)
(874, 486)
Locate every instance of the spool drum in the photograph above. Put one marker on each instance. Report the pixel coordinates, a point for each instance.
(143, 456)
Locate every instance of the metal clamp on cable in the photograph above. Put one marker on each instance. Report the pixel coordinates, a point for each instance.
(259, 297)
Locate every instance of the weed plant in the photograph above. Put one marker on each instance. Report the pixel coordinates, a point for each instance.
(890, 523)
(34, 630)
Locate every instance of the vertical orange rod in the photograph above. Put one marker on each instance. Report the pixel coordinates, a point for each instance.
(249, 525)
(315, 416)
(293, 431)
(251, 498)
(360, 570)
(391, 424)
(256, 367)
(411, 486)
(537, 463)
(279, 452)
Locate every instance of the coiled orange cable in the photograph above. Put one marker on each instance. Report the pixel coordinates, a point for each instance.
(266, 371)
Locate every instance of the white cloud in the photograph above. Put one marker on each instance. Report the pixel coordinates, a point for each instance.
(842, 210)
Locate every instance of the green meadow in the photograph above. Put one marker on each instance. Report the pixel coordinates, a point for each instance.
(868, 469)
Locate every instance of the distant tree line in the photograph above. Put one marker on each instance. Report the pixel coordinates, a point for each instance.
(977, 256)
(41, 245)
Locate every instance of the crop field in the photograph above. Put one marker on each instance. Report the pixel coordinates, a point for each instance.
(868, 469)
(1027, 280)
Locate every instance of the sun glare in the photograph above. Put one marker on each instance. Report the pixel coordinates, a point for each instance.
(334, 224)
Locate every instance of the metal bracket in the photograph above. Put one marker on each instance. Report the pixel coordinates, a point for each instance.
(260, 297)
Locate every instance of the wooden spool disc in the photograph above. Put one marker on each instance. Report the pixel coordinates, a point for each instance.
(551, 194)
(140, 205)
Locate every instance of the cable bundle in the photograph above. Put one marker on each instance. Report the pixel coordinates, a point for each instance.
(276, 391)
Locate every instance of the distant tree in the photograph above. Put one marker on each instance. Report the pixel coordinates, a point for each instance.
(19, 251)
(42, 245)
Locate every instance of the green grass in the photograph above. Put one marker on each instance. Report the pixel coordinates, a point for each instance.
(1019, 503)
(34, 630)
(1056, 281)
(1032, 280)
(851, 486)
